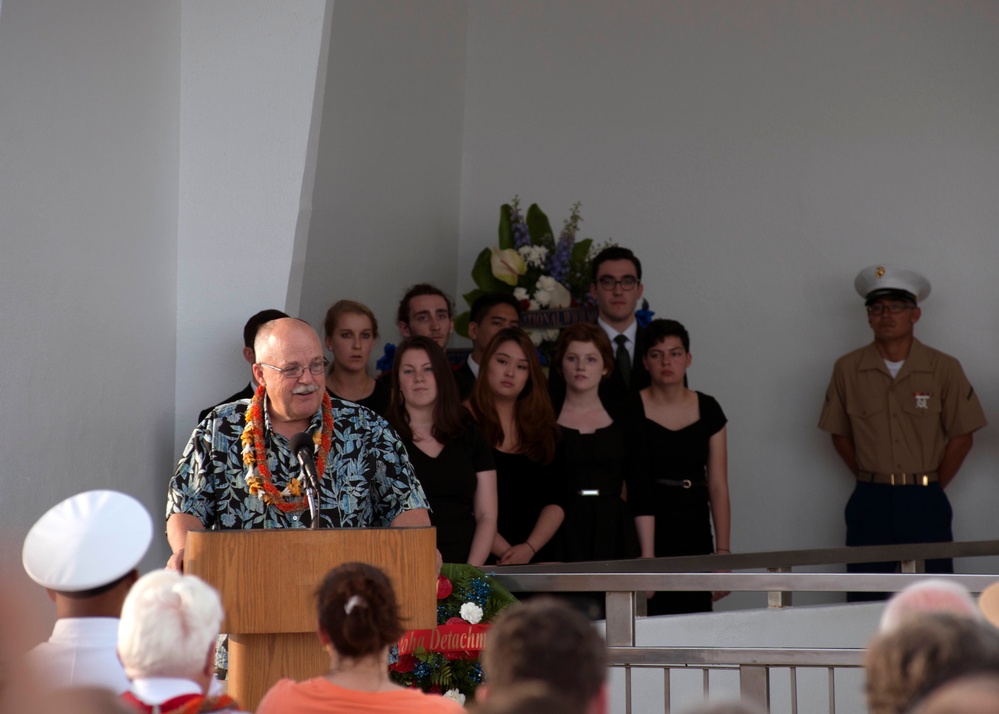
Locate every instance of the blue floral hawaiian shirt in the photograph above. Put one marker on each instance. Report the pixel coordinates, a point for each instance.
(368, 480)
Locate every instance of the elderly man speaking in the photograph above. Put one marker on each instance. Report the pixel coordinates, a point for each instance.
(239, 470)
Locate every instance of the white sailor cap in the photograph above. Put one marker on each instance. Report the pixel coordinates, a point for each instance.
(880, 281)
(87, 541)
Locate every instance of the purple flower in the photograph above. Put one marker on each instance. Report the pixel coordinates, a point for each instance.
(558, 263)
(384, 363)
(521, 237)
(644, 316)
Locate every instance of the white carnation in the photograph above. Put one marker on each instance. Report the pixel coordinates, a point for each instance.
(534, 305)
(534, 255)
(537, 337)
(542, 297)
(471, 613)
(456, 696)
(552, 335)
(521, 294)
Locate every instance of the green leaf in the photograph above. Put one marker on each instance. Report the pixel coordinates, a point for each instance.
(482, 274)
(580, 250)
(473, 295)
(461, 323)
(539, 227)
(505, 227)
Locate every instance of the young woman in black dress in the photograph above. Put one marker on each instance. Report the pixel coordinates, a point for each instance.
(600, 456)
(449, 454)
(351, 330)
(688, 461)
(511, 405)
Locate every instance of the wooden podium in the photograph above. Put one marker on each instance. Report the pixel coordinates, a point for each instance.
(268, 579)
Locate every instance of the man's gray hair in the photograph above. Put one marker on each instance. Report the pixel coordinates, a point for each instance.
(169, 623)
(932, 595)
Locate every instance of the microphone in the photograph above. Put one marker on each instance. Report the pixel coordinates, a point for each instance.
(303, 446)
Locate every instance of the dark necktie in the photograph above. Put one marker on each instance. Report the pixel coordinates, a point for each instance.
(623, 359)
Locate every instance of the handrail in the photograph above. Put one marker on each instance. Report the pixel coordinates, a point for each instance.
(770, 559)
(736, 656)
(584, 581)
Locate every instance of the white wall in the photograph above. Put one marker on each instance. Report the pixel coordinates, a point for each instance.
(248, 81)
(386, 202)
(88, 218)
(756, 156)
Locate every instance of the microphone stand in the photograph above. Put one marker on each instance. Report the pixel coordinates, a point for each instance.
(310, 494)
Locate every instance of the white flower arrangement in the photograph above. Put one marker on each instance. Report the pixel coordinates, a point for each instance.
(471, 613)
(455, 695)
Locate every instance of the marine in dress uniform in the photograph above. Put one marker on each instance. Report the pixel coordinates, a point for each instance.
(901, 416)
(85, 551)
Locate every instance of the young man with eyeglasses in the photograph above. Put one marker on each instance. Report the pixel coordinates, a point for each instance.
(617, 289)
(901, 416)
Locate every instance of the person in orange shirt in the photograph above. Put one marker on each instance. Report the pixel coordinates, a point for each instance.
(358, 622)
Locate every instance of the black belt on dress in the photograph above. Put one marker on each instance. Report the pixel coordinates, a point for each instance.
(916, 479)
(685, 483)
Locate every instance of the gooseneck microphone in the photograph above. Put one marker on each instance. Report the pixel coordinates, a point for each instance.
(303, 446)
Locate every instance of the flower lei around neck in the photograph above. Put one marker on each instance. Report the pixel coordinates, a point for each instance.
(259, 480)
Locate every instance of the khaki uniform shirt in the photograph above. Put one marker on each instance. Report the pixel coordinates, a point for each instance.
(900, 425)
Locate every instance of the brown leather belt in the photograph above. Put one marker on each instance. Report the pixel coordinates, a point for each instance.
(917, 479)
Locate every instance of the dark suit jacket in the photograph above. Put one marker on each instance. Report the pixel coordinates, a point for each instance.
(245, 393)
(465, 379)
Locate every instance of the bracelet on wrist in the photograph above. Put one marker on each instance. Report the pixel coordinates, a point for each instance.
(533, 549)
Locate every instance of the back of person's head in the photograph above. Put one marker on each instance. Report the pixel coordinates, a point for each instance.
(546, 640)
(658, 330)
(254, 323)
(923, 652)
(168, 626)
(524, 698)
(484, 303)
(357, 610)
(933, 595)
(615, 252)
(449, 416)
(347, 307)
(88, 547)
(974, 694)
(584, 332)
(402, 315)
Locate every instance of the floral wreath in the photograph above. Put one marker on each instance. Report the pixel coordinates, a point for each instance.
(445, 660)
(259, 480)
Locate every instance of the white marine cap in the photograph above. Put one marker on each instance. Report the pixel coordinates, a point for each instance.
(880, 281)
(87, 541)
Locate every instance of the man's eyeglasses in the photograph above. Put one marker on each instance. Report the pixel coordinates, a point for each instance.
(892, 308)
(295, 371)
(629, 282)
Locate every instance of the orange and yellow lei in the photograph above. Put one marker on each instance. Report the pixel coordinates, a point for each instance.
(259, 480)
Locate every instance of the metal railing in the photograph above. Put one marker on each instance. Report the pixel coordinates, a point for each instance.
(626, 581)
